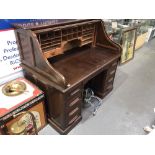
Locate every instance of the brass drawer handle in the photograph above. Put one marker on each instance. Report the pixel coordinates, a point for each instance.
(74, 102)
(72, 120)
(73, 111)
(74, 92)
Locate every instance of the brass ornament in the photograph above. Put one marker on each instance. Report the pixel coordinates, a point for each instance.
(21, 127)
(14, 88)
(18, 128)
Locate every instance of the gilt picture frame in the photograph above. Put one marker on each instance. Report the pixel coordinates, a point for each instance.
(128, 40)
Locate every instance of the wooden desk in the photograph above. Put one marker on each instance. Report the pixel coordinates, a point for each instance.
(65, 58)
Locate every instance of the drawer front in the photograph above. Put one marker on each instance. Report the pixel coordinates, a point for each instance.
(73, 102)
(71, 121)
(114, 64)
(109, 82)
(110, 77)
(74, 92)
(73, 108)
(109, 87)
(111, 71)
(73, 114)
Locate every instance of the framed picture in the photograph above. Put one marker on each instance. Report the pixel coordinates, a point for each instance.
(128, 40)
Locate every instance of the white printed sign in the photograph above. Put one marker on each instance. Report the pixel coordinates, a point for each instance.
(9, 54)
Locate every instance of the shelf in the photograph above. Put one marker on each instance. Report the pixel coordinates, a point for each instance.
(87, 35)
(84, 30)
(69, 34)
(46, 43)
(87, 39)
(42, 40)
(49, 54)
(52, 39)
(87, 42)
(50, 47)
(51, 44)
(88, 31)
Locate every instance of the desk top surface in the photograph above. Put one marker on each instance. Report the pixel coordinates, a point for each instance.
(80, 65)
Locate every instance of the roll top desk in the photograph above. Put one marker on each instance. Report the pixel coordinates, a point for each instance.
(63, 59)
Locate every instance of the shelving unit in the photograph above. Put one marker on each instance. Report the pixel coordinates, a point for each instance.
(52, 42)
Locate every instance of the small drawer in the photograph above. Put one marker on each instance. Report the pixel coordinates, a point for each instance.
(73, 119)
(110, 77)
(106, 92)
(112, 72)
(74, 92)
(71, 103)
(73, 114)
(114, 64)
(109, 80)
(113, 68)
(109, 87)
(74, 111)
